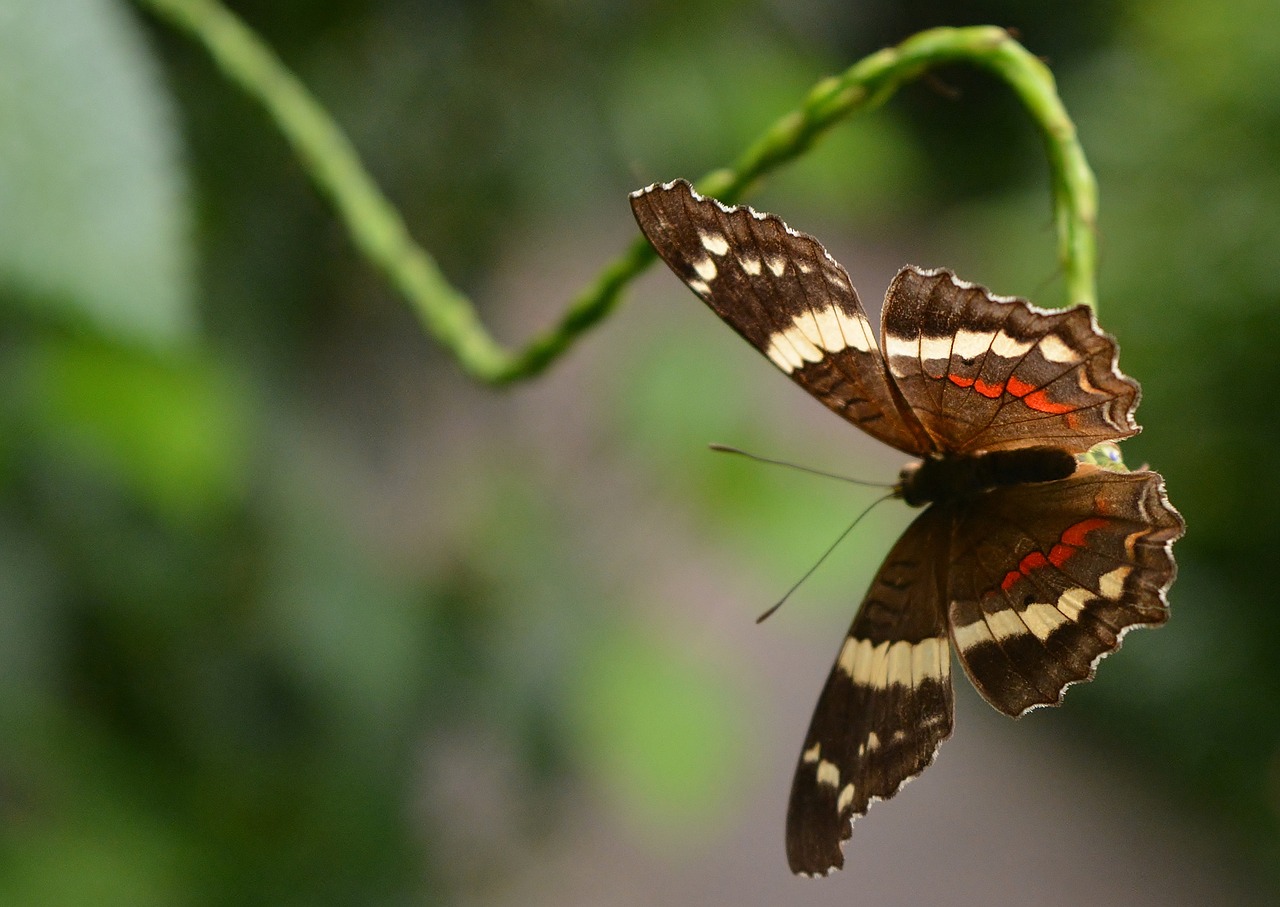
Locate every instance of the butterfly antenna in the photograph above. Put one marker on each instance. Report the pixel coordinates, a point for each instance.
(725, 448)
(858, 519)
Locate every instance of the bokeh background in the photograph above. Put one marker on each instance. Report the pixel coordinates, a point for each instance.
(293, 613)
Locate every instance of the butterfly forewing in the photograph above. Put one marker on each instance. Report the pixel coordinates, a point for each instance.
(983, 372)
(786, 296)
(1046, 578)
(887, 704)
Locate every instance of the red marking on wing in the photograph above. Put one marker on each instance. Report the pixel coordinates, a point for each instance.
(1074, 535)
(1040, 401)
(1060, 554)
(1071, 541)
(1031, 562)
(1018, 387)
(988, 390)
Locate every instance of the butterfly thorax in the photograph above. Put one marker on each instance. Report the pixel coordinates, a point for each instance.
(955, 477)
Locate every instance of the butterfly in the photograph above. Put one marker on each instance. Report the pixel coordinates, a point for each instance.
(1029, 561)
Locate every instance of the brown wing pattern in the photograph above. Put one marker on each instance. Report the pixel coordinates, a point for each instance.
(1033, 583)
(1045, 579)
(983, 372)
(786, 296)
(887, 704)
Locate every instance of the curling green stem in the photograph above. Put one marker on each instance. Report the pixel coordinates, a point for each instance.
(379, 232)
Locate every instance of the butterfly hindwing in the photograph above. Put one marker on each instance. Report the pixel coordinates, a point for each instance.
(1046, 578)
(985, 372)
(887, 703)
(786, 296)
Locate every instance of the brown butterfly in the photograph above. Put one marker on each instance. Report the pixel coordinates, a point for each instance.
(1028, 562)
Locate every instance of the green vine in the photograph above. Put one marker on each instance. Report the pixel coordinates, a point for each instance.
(381, 235)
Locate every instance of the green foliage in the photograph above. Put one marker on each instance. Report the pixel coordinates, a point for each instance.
(656, 725)
(95, 227)
(172, 431)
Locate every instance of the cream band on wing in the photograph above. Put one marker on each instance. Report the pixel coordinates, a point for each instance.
(1038, 618)
(815, 333)
(903, 663)
(972, 344)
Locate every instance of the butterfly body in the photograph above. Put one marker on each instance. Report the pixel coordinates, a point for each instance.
(1026, 562)
(960, 478)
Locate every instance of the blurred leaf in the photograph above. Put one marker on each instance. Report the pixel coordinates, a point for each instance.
(28, 623)
(1225, 58)
(81, 826)
(93, 219)
(974, 240)
(688, 105)
(114, 861)
(351, 628)
(869, 170)
(174, 432)
(657, 727)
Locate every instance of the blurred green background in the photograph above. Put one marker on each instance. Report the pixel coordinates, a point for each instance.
(292, 613)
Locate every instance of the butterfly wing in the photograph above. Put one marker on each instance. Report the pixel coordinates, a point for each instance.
(786, 296)
(1045, 579)
(985, 372)
(887, 704)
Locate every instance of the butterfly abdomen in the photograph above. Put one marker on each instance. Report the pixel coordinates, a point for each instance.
(957, 477)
